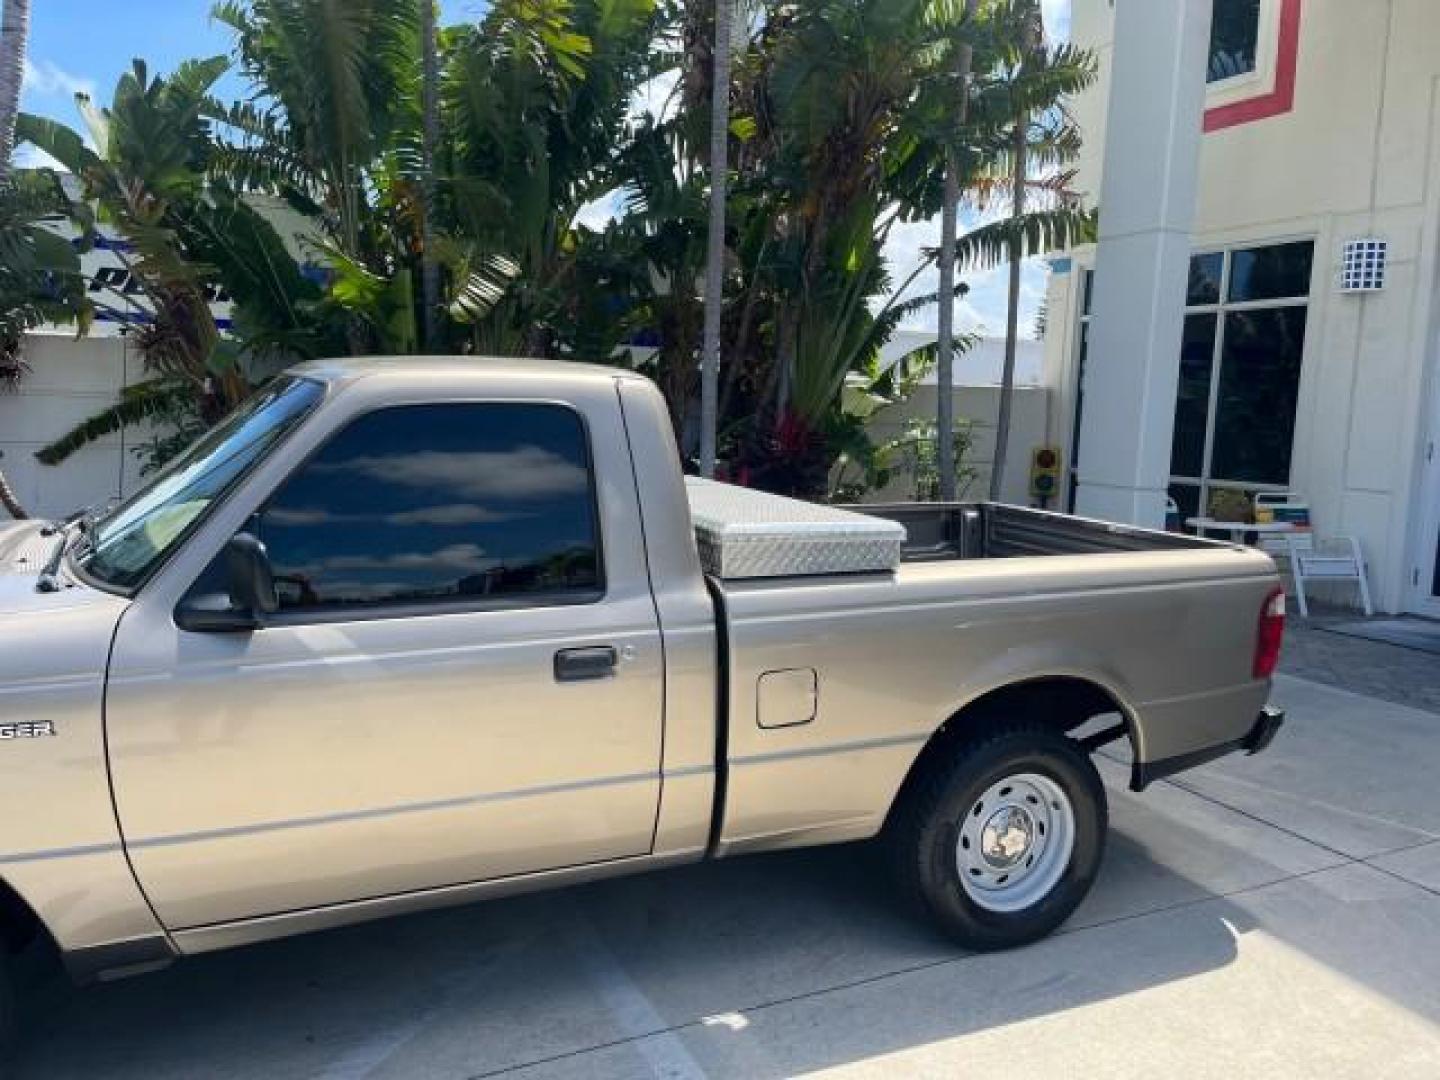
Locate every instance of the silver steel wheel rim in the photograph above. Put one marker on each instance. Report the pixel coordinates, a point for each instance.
(1015, 842)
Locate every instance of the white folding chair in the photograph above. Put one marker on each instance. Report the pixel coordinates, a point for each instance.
(1337, 559)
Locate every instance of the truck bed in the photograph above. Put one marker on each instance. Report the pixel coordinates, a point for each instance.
(944, 532)
(833, 683)
(743, 534)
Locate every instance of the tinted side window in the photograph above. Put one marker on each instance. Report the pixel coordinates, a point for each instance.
(434, 503)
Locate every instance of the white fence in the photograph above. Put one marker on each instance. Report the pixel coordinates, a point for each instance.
(68, 382)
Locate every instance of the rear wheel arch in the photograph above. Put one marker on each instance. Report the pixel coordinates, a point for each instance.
(1062, 702)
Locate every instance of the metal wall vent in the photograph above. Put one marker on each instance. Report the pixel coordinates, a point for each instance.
(1364, 267)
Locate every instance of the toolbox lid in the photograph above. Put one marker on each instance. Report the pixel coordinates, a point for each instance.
(752, 534)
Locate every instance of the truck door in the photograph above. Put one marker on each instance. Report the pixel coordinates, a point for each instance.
(462, 682)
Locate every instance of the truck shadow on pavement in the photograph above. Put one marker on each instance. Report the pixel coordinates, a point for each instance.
(765, 966)
(537, 979)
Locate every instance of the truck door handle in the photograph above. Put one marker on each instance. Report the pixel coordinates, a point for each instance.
(583, 665)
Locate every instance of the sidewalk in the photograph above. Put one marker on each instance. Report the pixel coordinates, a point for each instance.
(1404, 676)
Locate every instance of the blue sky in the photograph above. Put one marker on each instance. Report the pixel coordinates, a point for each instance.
(85, 45)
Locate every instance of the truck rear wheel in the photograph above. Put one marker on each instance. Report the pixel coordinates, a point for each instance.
(1002, 839)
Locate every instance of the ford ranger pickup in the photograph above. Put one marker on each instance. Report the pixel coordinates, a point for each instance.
(413, 632)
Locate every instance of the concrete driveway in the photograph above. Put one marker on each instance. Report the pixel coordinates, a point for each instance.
(1274, 916)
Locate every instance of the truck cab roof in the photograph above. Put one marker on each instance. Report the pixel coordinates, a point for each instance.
(418, 370)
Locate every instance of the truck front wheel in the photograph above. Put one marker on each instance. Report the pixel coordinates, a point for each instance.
(9, 1017)
(1002, 839)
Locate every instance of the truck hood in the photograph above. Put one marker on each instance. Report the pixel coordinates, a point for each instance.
(24, 551)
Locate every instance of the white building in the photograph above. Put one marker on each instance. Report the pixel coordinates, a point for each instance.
(1321, 128)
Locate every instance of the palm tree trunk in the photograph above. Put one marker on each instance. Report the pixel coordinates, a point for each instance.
(1012, 320)
(10, 500)
(429, 268)
(949, 228)
(945, 416)
(715, 253)
(14, 38)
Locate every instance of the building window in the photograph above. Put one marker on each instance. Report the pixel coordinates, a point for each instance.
(440, 504)
(1234, 39)
(1240, 360)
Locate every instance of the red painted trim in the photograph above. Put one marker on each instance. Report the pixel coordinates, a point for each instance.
(1280, 100)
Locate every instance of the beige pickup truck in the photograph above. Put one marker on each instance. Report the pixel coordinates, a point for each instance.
(404, 633)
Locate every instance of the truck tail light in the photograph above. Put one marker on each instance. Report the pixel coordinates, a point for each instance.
(1270, 634)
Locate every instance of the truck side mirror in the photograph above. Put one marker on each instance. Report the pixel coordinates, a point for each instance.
(252, 583)
(251, 588)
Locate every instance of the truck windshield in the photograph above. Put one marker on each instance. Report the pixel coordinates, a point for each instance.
(126, 545)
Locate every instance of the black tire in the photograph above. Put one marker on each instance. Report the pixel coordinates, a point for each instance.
(927, 831)
(9, 1013)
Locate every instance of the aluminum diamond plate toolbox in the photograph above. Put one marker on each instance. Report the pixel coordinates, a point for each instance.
(752, 534)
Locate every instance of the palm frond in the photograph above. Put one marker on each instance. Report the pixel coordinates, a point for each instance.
(1036, 233)
(139, 403)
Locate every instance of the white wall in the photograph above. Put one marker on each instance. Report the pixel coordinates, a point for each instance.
(980, 405)
(1359, 155)
(981, 365)
(69, 381)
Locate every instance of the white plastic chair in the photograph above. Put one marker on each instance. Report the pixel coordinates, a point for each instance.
(1338, 559)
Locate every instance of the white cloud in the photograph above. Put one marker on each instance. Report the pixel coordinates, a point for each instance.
(657, 98)
(1057, 18)
(46, 78)
(527, 472)
(460, 558)
(32, 157)
(450, 514)
(598, 214)
(453, 514)
(983, 309)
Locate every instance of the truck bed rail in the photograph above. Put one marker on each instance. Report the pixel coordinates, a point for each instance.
(946, 531)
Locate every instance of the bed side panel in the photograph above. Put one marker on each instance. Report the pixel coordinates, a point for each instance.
(1169, 634)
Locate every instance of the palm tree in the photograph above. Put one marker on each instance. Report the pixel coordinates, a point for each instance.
(715, 244)
(146, 181)
(430, 138)
(661, 235)
(822, 102)
(1030, 33)
(337, 85)
(40, 279)
(146, 169)
(536, 105)
(14, 38)
(957, 31)
(335, 126)
(1032, 84)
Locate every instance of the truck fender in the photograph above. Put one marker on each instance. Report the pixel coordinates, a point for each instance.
(1066, 698)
